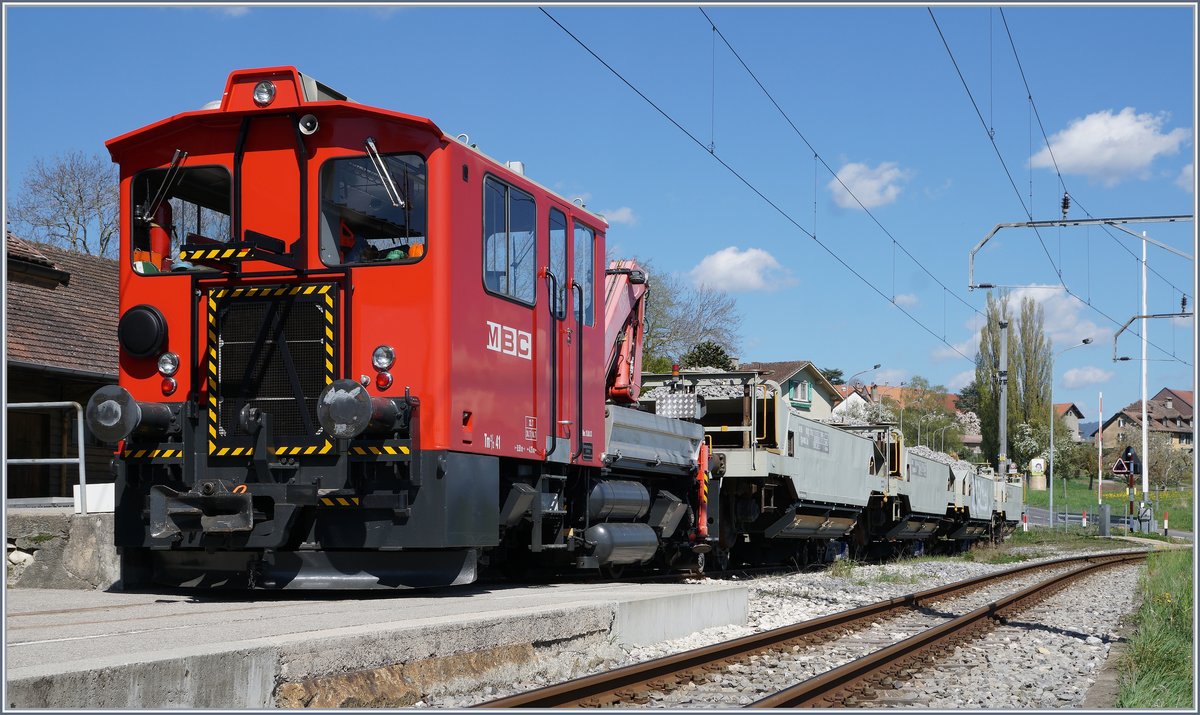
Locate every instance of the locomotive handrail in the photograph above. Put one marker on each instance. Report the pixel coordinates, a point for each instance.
(58, 460)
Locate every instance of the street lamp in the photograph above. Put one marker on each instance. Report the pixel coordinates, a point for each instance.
(851, 380)
(1085, 341)
(942, 437)
(920, 421)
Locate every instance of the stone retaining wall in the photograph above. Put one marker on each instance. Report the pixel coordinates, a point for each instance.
(55, 548)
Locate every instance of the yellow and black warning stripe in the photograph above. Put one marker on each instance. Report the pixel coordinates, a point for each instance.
(339, 501)
(153, 453)
(380, 450)
(271, 291)
(214, 254)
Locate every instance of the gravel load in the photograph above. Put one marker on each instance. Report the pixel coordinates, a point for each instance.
(774, 601)
(709, 387)
(935, 456)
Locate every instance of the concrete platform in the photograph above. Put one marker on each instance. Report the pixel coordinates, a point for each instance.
(81, 649)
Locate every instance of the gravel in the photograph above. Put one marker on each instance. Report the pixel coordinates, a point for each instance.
(776, 601)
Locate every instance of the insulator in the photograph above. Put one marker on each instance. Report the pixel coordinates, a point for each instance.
(1183, 304)
(1066, 204)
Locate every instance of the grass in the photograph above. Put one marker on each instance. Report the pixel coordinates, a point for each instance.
(1077, 497)
(1156, 671)
(889, 577)
(843, 568)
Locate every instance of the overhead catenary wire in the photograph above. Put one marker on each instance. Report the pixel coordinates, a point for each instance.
(788, 217)
(1004, 165)
(1054, 160)
(818, 157)
(995, 147)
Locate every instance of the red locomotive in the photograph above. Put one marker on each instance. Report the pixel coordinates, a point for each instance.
(358, 353)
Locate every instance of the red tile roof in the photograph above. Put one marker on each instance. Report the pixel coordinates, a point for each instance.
(1062, 408)
(71, 326)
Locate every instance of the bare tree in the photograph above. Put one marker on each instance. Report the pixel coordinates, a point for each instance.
(680, 315)
(70, 201)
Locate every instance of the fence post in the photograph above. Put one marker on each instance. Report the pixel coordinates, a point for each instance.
(80, 460)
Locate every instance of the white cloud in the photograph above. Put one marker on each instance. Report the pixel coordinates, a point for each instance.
(623, 215)
(960, 380)
(732, 269)
(1186, 179)
(1111, 147)
(1065, 324)
(233, 10)
(873, 187)
(906, 300)
(1084, 376)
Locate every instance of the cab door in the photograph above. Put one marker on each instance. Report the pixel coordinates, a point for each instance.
(560, 357)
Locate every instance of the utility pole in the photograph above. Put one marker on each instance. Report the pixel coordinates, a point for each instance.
(1002, 376)
(1145, 406)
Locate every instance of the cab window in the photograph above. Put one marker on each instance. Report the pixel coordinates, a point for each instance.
(193, 210)
(585, 241)
(509, 248)
(360, 223)
(558, 261)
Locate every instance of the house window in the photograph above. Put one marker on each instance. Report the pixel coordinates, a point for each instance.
(1120, 436)
(802, 391)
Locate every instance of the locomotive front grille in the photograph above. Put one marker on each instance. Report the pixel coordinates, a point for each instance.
(270, 348)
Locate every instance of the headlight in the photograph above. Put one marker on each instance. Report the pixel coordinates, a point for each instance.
(264, 93)
(383, 357)
(168, 364)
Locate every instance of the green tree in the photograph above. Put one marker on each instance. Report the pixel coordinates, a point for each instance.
(1029, 352)
(708, 354)
(968, 396)
(834, 375)
(925, 414)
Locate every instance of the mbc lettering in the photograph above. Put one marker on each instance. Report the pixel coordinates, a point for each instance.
(509, 341)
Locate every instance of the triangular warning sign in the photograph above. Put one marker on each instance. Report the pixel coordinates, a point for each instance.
(1120, 467)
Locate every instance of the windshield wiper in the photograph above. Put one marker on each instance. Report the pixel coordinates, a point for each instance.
(384, 177)
(167, 185)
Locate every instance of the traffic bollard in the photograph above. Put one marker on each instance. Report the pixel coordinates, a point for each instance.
(1084, 519)
(1024, 521)
(1166, 522)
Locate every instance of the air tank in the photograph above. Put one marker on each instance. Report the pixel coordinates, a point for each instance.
(615, 500)
(622, 543)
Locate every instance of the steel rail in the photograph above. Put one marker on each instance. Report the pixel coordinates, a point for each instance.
(823, 690)
(621, 682)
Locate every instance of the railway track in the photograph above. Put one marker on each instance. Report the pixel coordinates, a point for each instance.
(876, 642)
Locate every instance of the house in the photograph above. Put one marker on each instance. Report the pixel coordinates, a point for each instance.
(1169, 413)
(807, 389)
(852, 400)
(1070, 414)
(61, 324)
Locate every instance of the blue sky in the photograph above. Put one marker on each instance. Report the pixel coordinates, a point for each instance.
(873, 89)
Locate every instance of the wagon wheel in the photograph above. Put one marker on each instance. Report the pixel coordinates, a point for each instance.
(612, 571)
(697, 568)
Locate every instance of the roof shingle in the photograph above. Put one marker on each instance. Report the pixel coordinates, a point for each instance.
(71, 326)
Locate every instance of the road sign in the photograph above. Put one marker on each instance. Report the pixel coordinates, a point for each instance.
(1121, 467)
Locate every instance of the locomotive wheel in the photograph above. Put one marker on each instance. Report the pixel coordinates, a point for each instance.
(697, 567)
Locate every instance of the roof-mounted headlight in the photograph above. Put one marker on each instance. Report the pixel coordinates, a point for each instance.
(264, 93)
